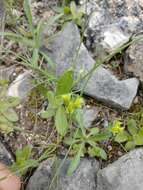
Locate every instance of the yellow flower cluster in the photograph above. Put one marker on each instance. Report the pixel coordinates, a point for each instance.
(117, 128)
(72, 104)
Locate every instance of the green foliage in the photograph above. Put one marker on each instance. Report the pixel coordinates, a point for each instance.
(24, 161)
(86, 142)
(132, 136)
(71, 13)
(32, 38)
(8, 116)
(62, 104)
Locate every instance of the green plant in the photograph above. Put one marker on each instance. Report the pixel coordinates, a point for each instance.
(32, 38)
(71, 13)
(62, 103)
(86, 142)
(24, 161)
(8, 117)
(132, 136)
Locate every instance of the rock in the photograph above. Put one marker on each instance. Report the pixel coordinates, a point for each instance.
(107, 88)
(21, 86)
(134, 60)
(5, 156)
(125, 173)
(89, 116)
(124, 15)
(67, 51)
(114, 38)
(83, 178)
(6, 73)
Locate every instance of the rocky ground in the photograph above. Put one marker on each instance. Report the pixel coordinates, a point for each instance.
(112, 40)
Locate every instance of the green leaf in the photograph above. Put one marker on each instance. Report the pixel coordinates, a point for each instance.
(61, 121)
(11, 115)
(35, 57)
(76, 160)
(132, 127)
(65, 83)
(97, 151)
(49, 60)
(6, 127)
(18, 38)
(130, 145)
(94, 131)
(13, 101)
(103, 136)
(138, 138)
(51, 97)
(23, 154)
(28, 13)
(122, 137)
(73, 10)
(47, 114)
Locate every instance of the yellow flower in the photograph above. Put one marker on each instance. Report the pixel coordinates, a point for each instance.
(70, 107)
(78, 102)
(66, 98)
(117, 128)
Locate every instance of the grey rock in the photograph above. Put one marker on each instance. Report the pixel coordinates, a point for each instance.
(67, 51)
(21, 86)
(125, 173)
(6, 73)
(107, 88)
(134, 60)
(89, 116)
(125, 15)
(5, 155)
(83, 178)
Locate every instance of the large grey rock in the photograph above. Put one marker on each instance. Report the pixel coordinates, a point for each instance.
(125, 173)
(83, 178)
(21, 86)
(5, 155)
(66, 51)
(107, 88)
(106, 15)
(134, 60)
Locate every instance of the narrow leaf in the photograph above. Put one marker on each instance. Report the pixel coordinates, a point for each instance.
(65, 83)
(61, 121)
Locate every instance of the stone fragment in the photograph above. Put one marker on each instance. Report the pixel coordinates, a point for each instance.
(21, 86)
(133, 62)
(89, 116)
(125, 173)
(83, 178)
(5, 155)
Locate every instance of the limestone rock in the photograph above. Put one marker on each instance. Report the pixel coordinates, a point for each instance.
(125, 15)
(89, 116)
(125, 173)
(134, 60)
(107, 88)
(21, 86)
(5, 156)
(83, 178)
